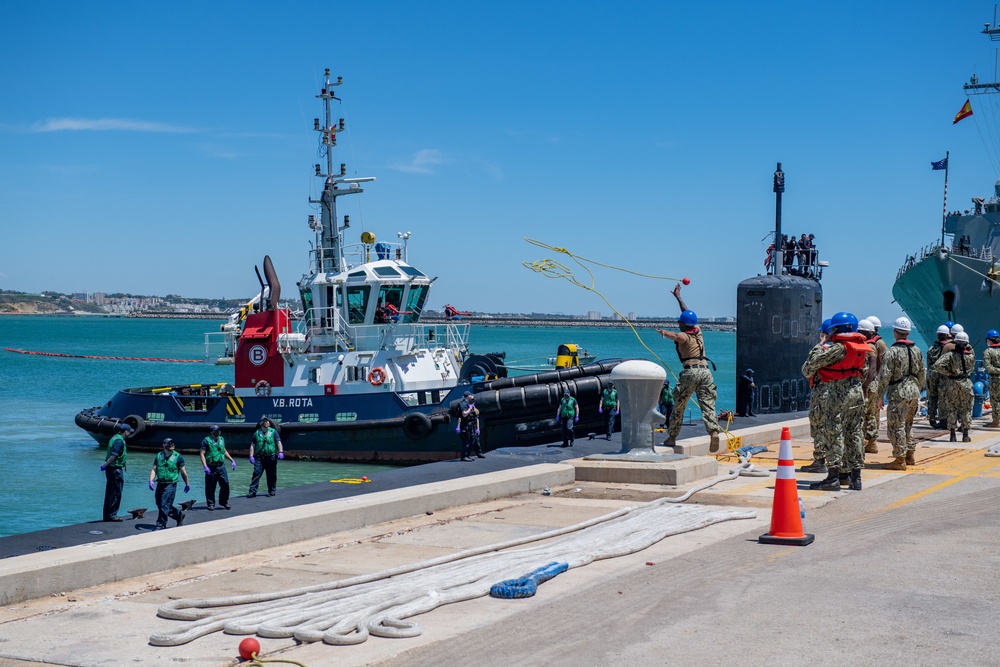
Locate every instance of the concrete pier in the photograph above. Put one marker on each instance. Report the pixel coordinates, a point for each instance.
(900, 570)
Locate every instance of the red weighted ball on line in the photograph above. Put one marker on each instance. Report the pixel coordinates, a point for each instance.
(686, 281)
(249, 648)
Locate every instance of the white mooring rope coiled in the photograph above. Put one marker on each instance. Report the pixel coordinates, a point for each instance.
(349, 610)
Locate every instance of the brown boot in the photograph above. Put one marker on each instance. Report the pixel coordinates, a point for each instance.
(898, 463)
(910, 459)
(871, 447)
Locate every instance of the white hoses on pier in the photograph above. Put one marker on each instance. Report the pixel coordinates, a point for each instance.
(349, 610)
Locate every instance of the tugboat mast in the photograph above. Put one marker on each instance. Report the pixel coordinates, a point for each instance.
(330, 253)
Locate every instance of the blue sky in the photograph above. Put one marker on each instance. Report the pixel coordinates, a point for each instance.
(165, 148)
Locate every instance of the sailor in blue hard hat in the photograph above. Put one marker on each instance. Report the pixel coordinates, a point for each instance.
(695, 377)
(991, 359)
(567, 414)
(844, 368)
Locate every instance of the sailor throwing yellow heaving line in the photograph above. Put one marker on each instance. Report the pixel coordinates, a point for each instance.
(696, 378)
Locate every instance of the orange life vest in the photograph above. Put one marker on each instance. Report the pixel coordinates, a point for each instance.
(853, 364)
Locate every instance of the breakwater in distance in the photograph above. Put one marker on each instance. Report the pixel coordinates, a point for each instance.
(501, 321)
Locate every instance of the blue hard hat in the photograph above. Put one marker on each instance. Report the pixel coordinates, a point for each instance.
(688, 318)
(125, 427)
(825, 327)
(213, 428)
(993, 333)
(949, 324)
(844, 319)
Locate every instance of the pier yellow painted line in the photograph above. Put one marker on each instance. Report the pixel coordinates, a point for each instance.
(970, 464)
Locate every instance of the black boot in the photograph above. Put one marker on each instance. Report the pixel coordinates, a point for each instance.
(831, 483)
(953, 438)
(856, 480)
(965, 435)
(845, 477)
(819, 465)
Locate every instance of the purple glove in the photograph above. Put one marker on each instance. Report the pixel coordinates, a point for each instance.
(281, 456)
(252, 460)
(617, 412)
(600, 410)
(208, 470)
(103, 467)
(187, 488)
(152, 485)
(576, 419)
(234, 465)
(458, 429)
(477, 431)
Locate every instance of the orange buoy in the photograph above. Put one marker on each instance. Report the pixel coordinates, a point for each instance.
(686, 281)
(249, 648)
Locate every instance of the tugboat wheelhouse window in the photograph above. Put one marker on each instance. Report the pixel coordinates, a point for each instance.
(307, 304)
(415, 302)
(391, 294)
(357, 303)
(386, 271)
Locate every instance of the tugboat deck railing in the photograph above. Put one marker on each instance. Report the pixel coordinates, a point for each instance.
(326, 329)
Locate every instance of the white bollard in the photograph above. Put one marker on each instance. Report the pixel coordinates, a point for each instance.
(638, 383)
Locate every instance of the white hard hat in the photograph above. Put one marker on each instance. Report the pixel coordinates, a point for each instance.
(957, 328)
(876, 322)
(961, 337)
(866, 325)
(943, 330)
(902, 324)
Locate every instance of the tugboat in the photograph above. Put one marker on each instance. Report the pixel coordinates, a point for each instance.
(358, 376)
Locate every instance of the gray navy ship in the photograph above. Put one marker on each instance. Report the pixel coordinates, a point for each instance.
(956, 277)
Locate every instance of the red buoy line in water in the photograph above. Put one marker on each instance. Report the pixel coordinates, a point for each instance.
(96, 356)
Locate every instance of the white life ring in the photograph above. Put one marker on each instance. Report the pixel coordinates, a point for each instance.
(263, 388)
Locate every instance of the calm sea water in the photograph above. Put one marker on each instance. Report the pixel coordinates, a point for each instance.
(49, 466)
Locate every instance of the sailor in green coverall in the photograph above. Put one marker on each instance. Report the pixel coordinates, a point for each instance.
(265, 450)
(167, 466)
(609, 402)
(114, 472)
(568, 414)
(213, 460)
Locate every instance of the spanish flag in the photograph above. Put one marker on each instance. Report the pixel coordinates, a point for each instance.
(964, 112)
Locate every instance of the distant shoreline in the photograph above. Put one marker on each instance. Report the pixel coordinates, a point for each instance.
(480, 321)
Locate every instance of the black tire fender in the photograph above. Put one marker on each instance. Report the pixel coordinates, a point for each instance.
(137, 423)
(417, 426)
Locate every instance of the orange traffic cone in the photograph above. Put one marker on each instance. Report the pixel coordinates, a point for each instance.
(786, 522)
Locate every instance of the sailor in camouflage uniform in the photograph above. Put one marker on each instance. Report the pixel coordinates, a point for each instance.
(933, 354)
(816, 392)
(991, 359)
(955, 390)
(844, 368)
(902, 377)
(694, 379)
(868, 328)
